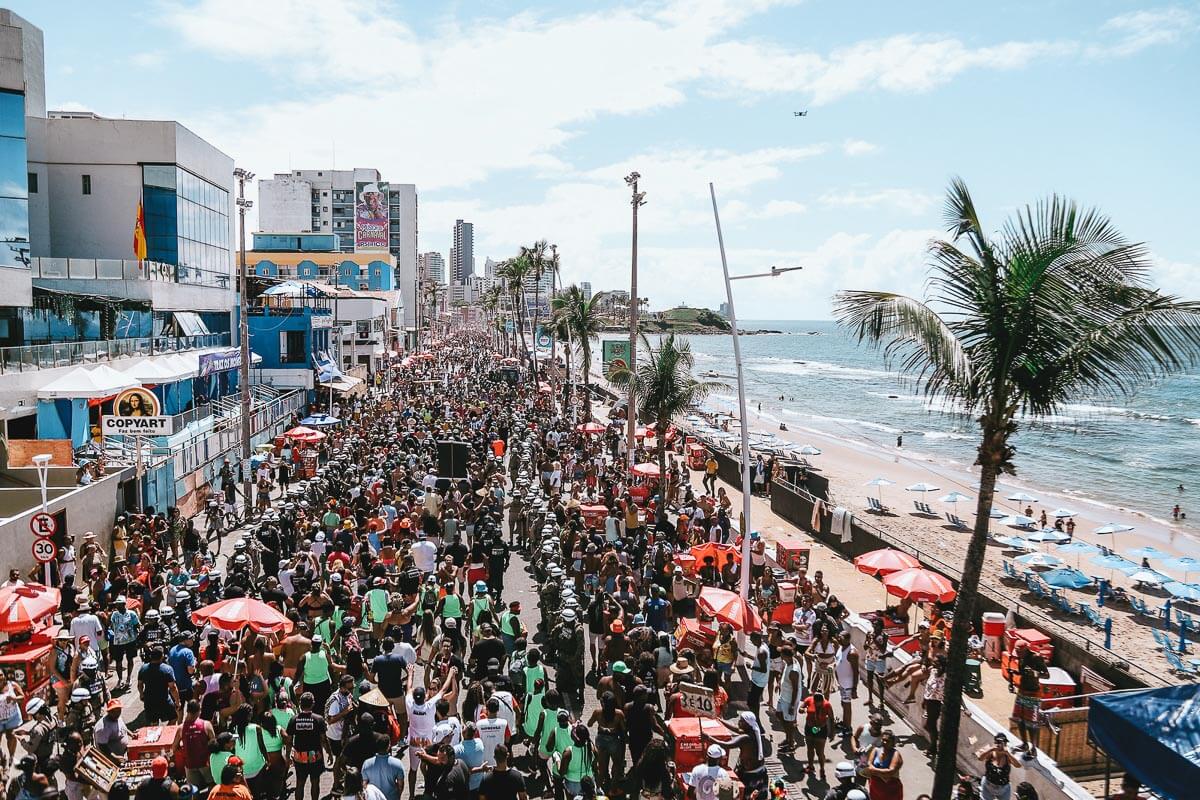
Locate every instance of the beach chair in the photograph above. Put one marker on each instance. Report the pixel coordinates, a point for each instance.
(1184, 618)
(1035, 586)
(956, 522)
(1161, 639)
(1139, 606)
(923, 508)
(1179, 665)
(1065, 604)
(1093, 616)
(873, 504)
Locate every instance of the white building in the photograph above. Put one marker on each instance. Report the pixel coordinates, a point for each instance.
(433, 267)
(324, 201)
(586, 288)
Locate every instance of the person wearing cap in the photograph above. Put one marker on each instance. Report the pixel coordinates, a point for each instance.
(703, 781)
(748, 741)
(481, 603)
(124, 627)
(566, 641)
(231, 785)
(159, 785)
(111, 735)
(511, 627)
(39, 739)
(998, 764)
(845, 774)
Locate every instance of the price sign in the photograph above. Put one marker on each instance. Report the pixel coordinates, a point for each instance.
(43, 524)
(44, 550)
(697, 699)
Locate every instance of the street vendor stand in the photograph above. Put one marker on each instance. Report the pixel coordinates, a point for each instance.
(25, 612)
(102, 772)
(304, 440)
(593, 516)
(151, 741)
(792, 554)
(691, 749)
(697, 454)
(29, 665)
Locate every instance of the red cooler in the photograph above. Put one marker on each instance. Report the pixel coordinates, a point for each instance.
(690, 749)
(993, 635)
(792, 554)
(1059, 685)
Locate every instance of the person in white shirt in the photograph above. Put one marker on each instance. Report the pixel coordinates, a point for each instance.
(87, 624)
(703, 780)
(14, 579)
(422, 711)
(493, 730)
(507, 708)
(424, 553)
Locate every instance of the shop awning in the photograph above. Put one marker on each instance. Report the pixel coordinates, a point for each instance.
(1154, 734)
(342, 383)
(94, 383)
(156, 370)
(183, 367)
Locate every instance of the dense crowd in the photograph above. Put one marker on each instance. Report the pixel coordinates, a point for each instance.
(408, 668)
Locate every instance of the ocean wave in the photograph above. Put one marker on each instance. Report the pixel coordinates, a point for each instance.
(796, 367)
(944, 435)
(1193, 421)
(862, 423)
(1114, 411)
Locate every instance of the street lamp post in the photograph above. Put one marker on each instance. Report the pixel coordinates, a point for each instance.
(737, 359)
(244, 331)
(638, 200)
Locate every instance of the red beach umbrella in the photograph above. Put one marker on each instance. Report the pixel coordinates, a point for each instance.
(729, 607)
(717, 551)
(921, 585)
(21, 607)
(881, 562)
(303, 434)
(590, 427)
(235, 614)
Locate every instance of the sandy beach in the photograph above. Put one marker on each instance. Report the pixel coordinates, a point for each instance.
(850, 465)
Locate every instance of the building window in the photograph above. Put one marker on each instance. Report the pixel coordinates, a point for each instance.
(291, 347)
(87, 184)
(324, 209)
(14, 203)
(33, 183)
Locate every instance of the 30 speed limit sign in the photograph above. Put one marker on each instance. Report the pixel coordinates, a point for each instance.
(44, 550)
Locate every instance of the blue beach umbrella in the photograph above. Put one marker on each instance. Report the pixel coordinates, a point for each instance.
(1116, 562)
(1016, 543)
(1148, 552)
(1185, 564)
(1047, 535)
(1039, 560)
(1066, 578)
(1184, 591)
(1077, 547)
(1112, 527)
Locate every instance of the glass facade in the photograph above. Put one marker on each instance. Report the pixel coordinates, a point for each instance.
(14, 182)
(187, 219)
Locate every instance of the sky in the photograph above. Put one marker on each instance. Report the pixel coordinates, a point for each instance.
(525, 118)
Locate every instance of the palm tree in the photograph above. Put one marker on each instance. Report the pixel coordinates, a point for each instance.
(539, 263)
(1055, 307)
(664, 387)
(580, 315)
(490, 302)
(514, 271)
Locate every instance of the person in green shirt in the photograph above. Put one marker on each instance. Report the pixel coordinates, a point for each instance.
(331, 520)
(511, 627)
(480, 603)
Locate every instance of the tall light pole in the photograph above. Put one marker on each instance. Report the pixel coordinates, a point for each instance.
(745, 426)
(244, 331)
(42, 462)
(638, 200)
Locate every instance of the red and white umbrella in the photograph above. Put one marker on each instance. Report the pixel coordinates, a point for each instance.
(647, 469)
(881, 562)
(303, 434)
(590, 427)
(921, 585)
(235, 614)
(22, 607)
(729, 607)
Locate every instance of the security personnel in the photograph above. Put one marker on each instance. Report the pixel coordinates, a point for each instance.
(498, 558)
(567, 641)
(550, 596)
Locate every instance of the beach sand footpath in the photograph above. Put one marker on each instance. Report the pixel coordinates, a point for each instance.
(850, 465)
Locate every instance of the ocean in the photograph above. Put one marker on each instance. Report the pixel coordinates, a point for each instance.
(1123, 454)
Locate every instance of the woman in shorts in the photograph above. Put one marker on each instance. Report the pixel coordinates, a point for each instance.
(12, 700)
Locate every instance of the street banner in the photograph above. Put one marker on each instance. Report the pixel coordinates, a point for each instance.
(613, 350)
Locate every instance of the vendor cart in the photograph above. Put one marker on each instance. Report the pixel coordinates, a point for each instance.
(792, 554)
(151, 741)
(694, 634)
(691, 749)
(29, 665)
(593, 516)
(697, 454)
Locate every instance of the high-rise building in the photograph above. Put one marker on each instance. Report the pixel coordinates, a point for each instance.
(462, 257)
(586, 288)
(368, 214)
(489, 268)
(433, 267)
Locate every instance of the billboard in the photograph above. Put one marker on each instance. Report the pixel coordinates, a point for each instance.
(230, 358)
(370, 216)
(614, 350)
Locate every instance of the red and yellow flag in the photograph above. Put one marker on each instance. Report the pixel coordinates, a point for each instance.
(139, 234)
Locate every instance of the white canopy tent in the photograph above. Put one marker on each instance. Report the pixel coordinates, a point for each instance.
(88, 382)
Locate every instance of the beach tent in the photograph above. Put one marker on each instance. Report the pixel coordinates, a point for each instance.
(1154, 734)
(94, 383)
(1062, 513)
(1021, 497)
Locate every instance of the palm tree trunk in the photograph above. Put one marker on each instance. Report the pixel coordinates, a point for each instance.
(537, 302)
(660, 435)
(587, 378)
(991, 455)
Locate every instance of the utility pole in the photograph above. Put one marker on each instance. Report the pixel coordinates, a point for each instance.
(639, 199)
(244, 330)
(553, 289)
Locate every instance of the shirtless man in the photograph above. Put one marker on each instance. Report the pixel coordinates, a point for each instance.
(748, 741)
(293, 648)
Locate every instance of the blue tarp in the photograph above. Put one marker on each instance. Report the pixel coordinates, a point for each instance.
(1154, 734)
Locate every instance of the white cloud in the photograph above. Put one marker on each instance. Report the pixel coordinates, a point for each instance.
(908, 200)
(1139, 30)
(857, 147)
(1179, 278)
(150, 58)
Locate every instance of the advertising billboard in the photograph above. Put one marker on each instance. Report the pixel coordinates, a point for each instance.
(370, 216)
(614, 350)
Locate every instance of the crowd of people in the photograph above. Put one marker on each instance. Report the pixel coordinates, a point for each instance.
(408, 667)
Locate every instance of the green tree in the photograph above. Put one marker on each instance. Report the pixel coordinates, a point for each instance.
(513, 272)
(664, 387)
(1056, 306)
(580, 316)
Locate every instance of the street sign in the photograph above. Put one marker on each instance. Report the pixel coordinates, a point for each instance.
(697, 699)
(43, 524)
(142, 426)
(44, 550)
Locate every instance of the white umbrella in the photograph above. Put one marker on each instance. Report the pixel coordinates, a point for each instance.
(1039, 560)
(954, 497)
(1113, 527)
(1062, 513)
(1018, 521)
(809, 450)
(1021, 497)
(1149, 576)
(922, 488)
(879, 483)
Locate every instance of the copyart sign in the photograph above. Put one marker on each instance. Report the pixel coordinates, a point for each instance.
(370, 216)
(136, 426)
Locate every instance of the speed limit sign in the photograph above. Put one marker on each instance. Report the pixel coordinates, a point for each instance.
(44, 550)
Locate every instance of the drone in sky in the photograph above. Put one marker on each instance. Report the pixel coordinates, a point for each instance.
(800, 113)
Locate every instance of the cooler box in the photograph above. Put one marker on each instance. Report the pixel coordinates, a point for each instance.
(993, 635)
(691, 633)
(792, 554)
(690, 749)
(697, 454)
(783, 613)
(1059, 685)
(152, 741)
(593, 516)
(787, 591)
(1036, 640)
(688, 562)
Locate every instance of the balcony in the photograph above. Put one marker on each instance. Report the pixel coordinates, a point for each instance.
(113, 269)
(67, 354)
